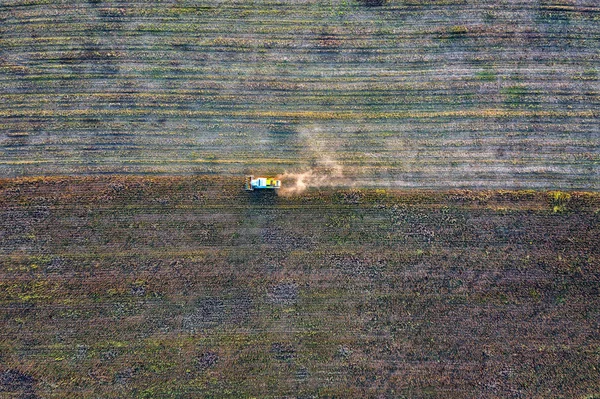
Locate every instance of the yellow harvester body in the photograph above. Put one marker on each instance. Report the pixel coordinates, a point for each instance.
(261, 183)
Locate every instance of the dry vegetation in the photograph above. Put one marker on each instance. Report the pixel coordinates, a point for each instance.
(189, 287)
(402, 93)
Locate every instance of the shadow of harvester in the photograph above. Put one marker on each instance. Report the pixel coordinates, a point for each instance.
(262, 197)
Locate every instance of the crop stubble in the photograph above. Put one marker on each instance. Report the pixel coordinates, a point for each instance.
(430, 94)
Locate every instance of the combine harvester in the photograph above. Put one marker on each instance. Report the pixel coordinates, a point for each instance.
(261, 183)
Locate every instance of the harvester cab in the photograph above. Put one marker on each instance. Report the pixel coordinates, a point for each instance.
(261, 183)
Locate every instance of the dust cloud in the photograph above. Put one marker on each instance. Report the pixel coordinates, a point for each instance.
(325, 172)
(297, 183)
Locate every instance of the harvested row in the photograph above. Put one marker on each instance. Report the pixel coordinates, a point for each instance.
(394, 93)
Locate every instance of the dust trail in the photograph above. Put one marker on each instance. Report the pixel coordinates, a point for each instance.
(326, 172)
(297, 183)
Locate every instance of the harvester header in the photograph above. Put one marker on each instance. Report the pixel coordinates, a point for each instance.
(261, 183)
